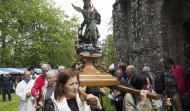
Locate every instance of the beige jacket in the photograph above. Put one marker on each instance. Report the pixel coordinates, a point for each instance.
(44, 91)
(130, 105)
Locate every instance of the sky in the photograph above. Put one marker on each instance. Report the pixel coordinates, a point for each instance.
(104, 7)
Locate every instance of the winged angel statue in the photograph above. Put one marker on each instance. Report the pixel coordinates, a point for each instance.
(91, 19)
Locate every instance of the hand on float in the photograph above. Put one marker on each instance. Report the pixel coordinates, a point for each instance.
(97, 105)
(167, 102)
(143, 96)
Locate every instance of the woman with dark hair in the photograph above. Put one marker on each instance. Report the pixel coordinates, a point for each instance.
(132, 102)
(66, 94)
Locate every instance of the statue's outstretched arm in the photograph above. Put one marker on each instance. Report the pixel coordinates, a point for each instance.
(76, 8)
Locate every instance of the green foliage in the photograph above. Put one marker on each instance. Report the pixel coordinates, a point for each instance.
(33, 32)
(107, 51)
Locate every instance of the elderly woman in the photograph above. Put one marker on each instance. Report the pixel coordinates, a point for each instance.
(132, 102)
(61, 68)
(66, 94)
(47, 91)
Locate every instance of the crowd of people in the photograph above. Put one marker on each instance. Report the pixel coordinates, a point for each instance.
(173, 77)
(52, 91)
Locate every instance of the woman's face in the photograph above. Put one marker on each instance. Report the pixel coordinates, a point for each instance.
(71, 87)
(51, 79)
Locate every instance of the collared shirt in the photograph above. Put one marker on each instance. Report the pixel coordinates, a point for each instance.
(26, 80)
(46, 82)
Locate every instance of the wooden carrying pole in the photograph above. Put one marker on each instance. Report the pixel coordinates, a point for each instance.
(91, 101)
(135, 91)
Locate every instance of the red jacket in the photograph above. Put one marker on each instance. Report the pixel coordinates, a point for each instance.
(180, 78)
(40, 81)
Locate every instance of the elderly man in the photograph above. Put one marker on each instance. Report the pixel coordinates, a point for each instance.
(130, 71)
(40, 82)
(23, 91)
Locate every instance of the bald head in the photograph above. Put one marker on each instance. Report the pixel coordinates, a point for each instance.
(130, 70)
(27, 75)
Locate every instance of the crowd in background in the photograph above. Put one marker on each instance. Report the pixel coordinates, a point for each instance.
(59, 91)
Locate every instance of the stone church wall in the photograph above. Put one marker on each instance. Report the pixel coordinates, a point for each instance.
(147, 30)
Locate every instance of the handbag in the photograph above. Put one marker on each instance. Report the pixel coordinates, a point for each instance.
(159, 84)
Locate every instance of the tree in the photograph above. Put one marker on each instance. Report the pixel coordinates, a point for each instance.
(107, 50)
(33, 32)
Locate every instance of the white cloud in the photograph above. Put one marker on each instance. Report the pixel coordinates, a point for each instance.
(104, 7)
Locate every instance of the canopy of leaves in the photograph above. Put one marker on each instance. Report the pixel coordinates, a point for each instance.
(107, 50)
(33, 32)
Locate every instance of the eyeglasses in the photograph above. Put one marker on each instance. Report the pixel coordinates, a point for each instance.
(49, 78)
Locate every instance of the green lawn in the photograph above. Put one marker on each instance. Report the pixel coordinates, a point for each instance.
(107, 101)
(13, 105)
(9, 105)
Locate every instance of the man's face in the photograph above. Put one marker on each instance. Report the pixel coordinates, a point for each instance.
(129, 71)
(167, 65)
(27, 75)
(45, 70)
(32, 71)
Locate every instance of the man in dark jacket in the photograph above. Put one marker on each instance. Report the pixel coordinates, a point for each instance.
(6, 86)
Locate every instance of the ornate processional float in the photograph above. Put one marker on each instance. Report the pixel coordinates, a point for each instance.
(87, 49)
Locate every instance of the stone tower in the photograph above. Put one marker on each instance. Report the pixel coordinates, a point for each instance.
(147, 30)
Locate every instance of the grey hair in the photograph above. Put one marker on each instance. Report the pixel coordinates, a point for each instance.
(52, 72)
(146, 69)
(46, 66)
(61, 67)
(132, 67)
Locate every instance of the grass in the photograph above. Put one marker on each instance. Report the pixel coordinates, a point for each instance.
(13, 105)
(9, 105)
(107, 101)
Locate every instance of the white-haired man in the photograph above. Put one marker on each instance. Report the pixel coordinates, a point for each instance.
(23, 91)
(130, 71)
(40, 82)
